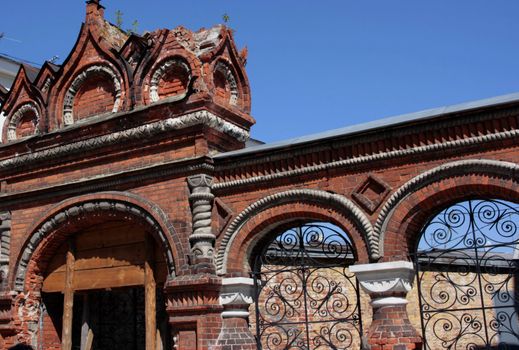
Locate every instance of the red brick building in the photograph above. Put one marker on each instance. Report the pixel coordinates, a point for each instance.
(133, 207)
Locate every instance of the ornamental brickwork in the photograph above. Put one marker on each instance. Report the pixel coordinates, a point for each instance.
(127, 171)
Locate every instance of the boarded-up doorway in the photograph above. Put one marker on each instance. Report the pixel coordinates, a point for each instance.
(103, 290)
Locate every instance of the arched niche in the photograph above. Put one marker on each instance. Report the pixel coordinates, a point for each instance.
(170, 80)
(23, 122)
(225, 84)
(96, 90)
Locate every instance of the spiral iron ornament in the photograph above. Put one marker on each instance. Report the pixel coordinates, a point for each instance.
(305, 296)
(467, 271)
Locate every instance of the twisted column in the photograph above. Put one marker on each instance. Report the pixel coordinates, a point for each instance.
(5, 247)
(202, 238)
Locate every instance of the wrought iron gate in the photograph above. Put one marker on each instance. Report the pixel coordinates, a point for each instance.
(467, 275)
(305, 296)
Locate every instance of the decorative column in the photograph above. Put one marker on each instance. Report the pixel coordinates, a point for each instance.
(236, 298)
(194, 295)
(5, 247)
(202, 238)
(388, 284)
(7, 327)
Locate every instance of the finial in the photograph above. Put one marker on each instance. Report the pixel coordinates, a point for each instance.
(94, 8)
(97, 2)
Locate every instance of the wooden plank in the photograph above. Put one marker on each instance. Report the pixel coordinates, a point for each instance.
(55, 282)
(112, 277)
(122, 255)
(108, 237)
(124, 276)
(150, 296)
(68, 300)
(89, 340)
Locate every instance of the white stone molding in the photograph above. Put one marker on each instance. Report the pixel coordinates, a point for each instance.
(146, 131)
(46, 85)
(382, 280)
(17, 116)
(161, 70)
(236, 293)
(68, 105)
(225, 70)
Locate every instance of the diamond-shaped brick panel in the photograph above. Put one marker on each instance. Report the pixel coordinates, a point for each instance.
(371, 192)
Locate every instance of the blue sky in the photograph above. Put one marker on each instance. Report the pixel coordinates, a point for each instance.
(319, 65)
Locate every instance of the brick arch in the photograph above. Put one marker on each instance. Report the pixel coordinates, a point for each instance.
(163, 69)
(223, 74)
(238, 95)
(70, 216)
(103, 69)
(259, 218)
(403, 227)
(18, 116)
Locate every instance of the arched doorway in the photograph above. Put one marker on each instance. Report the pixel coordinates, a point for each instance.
(102, 289)
(305, 296)
(467, 275)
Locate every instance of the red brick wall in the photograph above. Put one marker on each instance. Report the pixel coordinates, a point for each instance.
(26, 125)
(96, 96)
(173, 83)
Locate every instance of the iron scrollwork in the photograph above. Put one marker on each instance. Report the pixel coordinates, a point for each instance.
(467, 270)
(305, 296)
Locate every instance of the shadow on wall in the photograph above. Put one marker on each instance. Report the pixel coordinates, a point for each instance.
(21, 347)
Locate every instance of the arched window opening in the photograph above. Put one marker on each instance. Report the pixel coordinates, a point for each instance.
(305, 296)
(467, 262)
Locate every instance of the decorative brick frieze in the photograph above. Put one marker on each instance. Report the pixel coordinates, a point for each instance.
(7, 327)
(146, 131)
(353, 161)
(109, 181)
(194, 310)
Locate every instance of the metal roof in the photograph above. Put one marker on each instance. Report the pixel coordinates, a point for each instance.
(377, 124)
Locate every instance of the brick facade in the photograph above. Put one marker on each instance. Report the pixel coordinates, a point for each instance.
(117, 130)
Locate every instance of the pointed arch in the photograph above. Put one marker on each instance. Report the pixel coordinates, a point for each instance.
(100, 45)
